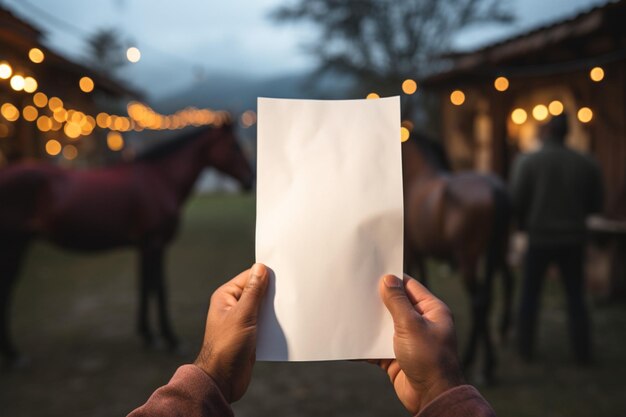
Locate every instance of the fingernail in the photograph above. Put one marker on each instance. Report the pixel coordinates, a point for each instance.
(256, 272)
(392, 281)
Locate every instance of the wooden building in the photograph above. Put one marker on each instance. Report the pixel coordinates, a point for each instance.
(22, 137)
(494, 99)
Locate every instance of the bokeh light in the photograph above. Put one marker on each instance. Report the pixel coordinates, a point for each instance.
(519, 116)
(40, 99)
(409, 86)
(86, 84)
(457, 97)
(55, 103)
(404, 134)
(9, 112)
(30, 85)
(372, 95)
(70, 152)
(115, 141)
(555, 107)
(53, 147)
(501, 83)
(44, 123)
(585, 114)
(5, 70)
(133, 54)
(17, 82)
(30, 113)
(540, 112)
(36, 55)
(596, 74)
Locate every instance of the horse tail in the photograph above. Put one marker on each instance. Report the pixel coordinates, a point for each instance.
(497, 251)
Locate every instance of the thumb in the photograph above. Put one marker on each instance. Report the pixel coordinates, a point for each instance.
(396, 300)
(253, 292)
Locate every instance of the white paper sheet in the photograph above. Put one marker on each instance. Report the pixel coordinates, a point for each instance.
(329, 224)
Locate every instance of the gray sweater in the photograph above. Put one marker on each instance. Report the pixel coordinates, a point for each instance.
(553, 192)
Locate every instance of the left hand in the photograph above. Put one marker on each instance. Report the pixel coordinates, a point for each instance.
(229, 349)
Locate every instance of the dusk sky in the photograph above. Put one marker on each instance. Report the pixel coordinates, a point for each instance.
(226, 37)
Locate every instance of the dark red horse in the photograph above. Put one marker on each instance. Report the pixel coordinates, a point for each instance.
(134, 204)
(463, 218)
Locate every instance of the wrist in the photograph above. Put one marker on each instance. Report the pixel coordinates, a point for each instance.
(203, 361)
(437, 386)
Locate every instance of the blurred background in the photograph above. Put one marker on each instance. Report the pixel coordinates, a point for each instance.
(115, 85)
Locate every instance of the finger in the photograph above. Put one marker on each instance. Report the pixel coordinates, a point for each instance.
(253, 292)
(395, 298)
(425, 302)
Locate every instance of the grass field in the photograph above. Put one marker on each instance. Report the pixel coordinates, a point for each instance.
(74, 316)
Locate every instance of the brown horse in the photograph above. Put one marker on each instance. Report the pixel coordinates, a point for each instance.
(135, 204)
(463, 218)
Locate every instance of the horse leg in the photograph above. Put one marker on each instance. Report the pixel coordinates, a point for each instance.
(485, 310)
(161, 290)
(146, 289)
(505, 320)
(11, 254)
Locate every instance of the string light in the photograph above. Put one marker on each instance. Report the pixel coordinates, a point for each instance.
(30, 113)
(5, 70)
(519, 116)
(596, 74)
(540, 112)
(585, 115)
(53, 147)
(115, 141)
(44, 123)
(404, 134)
(555, 108)
(70, 152)
(501, 84)
(40, 99)
(372, 96)
(86, 84)
(409, 86)
(17, 82)
(133, 54)
(457, 97)
(10, 112)
(36, 55)
(30, 85)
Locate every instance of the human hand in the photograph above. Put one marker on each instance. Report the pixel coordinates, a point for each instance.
(229, 349)
(424, 342)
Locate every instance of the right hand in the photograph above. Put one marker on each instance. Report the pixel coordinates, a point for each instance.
(424, 342)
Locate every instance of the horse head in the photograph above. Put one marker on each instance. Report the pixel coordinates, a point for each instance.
(225, 154)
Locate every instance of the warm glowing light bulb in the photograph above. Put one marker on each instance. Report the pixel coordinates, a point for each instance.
(519, 116)
(133, 54)
(36, 55)
(30, 113)
(17, 82)
(115, 141)
(540, 112)
(501, 83)
(53, 147)
(9, 112)
(30, 85)
(5, 70)
(371, 96)
(409, 86)
(596, 74)
(457, 97)
(404, 134)
(555, 108)
(86, 84)
(40, 99)
(585, 114)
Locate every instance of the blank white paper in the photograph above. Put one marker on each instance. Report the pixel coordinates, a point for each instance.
(329, 225)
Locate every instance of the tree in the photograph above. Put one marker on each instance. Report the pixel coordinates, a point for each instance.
(382, 42)
(106, 51)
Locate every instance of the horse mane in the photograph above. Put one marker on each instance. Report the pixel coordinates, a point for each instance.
(432, 149)
(166, 147)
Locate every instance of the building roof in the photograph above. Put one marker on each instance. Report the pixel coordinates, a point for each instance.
(606, 19)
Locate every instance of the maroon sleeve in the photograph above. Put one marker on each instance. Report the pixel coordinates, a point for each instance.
(461, 401)
(190, 393)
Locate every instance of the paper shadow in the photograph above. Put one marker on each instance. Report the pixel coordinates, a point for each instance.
(272, 343)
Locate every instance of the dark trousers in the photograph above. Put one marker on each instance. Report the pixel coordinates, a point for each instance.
(569, 259)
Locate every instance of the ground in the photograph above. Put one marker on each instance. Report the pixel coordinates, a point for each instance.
(74, 316)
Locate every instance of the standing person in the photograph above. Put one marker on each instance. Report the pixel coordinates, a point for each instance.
(553, 191)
